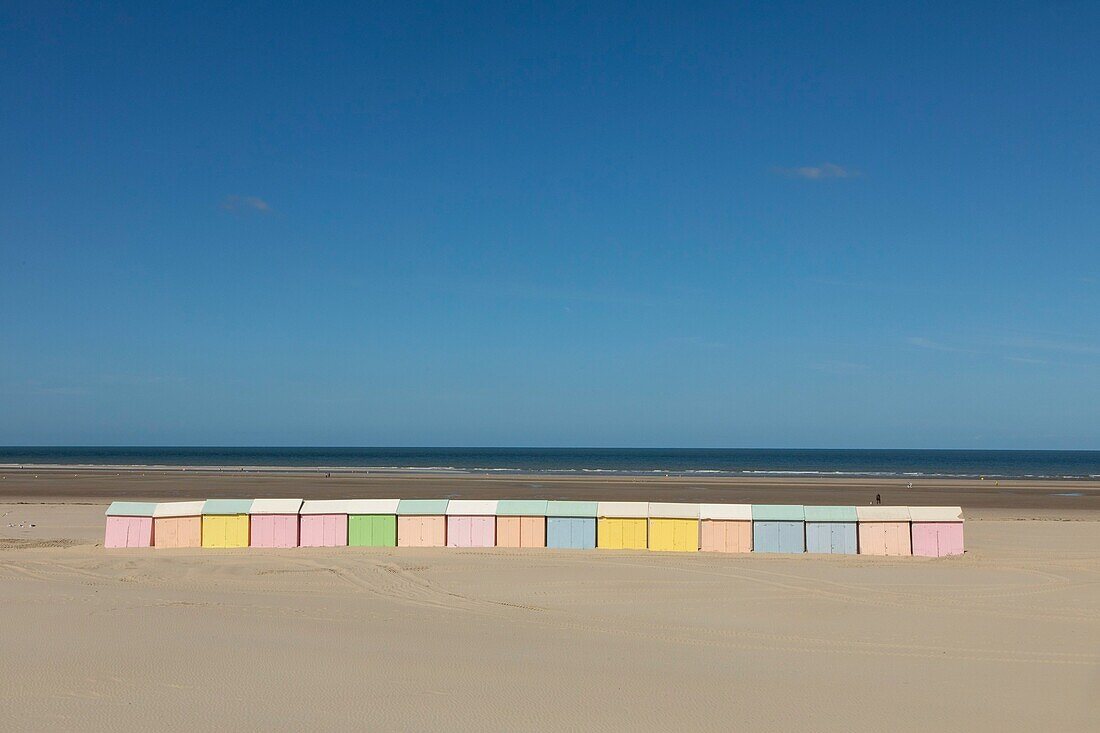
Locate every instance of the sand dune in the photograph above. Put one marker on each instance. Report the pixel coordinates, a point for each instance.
(1005, 638)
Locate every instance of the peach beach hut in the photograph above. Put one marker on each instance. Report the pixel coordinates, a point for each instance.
(323, 523)
(372, 522)
(129, 524)
(177, 524)
(274, 522)
(622, 525)
(937, 531)
(673, 527)
(225, 522)
(778, 528)
(831, 529)
(571, 524)
(471, 523)
(422, 522)
(521, 523)
(725, 527)
(884, 530)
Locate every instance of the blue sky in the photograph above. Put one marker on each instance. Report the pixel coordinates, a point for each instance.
(637, 224)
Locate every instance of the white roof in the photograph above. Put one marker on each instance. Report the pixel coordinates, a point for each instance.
(672, 510)
(882, 513)
(275, 506)
(178, 509)
(742, 512)
(324, 506)
(372, 506)
(627, 509)
(936, 513)
(471, 508)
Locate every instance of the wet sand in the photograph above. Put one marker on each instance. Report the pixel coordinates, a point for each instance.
(1006, 637)
(990, 498)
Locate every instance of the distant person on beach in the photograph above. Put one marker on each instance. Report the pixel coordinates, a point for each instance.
(878, 498)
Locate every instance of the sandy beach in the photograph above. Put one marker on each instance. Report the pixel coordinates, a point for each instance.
(1006, 637)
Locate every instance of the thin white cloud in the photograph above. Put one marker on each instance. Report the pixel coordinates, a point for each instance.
(1025, 360)
(818, 172)
(926, 343)
(240, 204)
(1041, 344)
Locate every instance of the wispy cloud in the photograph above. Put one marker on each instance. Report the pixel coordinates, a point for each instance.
(926, 343)
(1043, 344)
(244, 204)
(1026, 360)
(818, 172)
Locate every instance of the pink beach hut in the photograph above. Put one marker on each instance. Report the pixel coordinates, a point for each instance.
(884, 530)
(274, 522)
(726, 527)
(324, 523)
(471, 523)
(937, 531)
(129, 524)
(177, 524)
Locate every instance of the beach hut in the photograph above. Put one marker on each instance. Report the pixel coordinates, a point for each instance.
(324, 523)
(129, 524)
(225, 522)
(831, 529)
(571, 524)
(177, 524)
(471, 523)
(622, 525)
(422, 522)
(521, 523)
(937, 531)
(673, 527)
(884, 530)
(372, 522)
(725, 527)
(274, 522)
(778, 528)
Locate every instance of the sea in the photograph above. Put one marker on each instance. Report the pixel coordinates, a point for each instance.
(1027, 464)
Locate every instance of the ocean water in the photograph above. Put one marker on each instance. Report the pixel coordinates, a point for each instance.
(636, 461)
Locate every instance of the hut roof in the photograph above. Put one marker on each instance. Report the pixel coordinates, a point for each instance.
(275, 506)
(227, 506)
(625, 509)
(521, 508)
(373, 506)
(671, 510)
(131, 509)
(178, 509)
(936, 513)
(422, 506)
(882, 513)
(778, 512)
(472, 508)
(324, 506)
(742, 512)
(572, 508)
(830, 514)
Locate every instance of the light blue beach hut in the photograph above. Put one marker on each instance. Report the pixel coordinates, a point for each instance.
(571, 524)
(831, 529)
(778, 528)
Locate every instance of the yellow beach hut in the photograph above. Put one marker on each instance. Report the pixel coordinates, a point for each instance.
(673, 527)
(225, 522)
(622, 525)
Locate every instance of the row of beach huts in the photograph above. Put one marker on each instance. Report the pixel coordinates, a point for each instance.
(638, 525)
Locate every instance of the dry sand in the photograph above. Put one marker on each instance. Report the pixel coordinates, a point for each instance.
(1005, 638)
